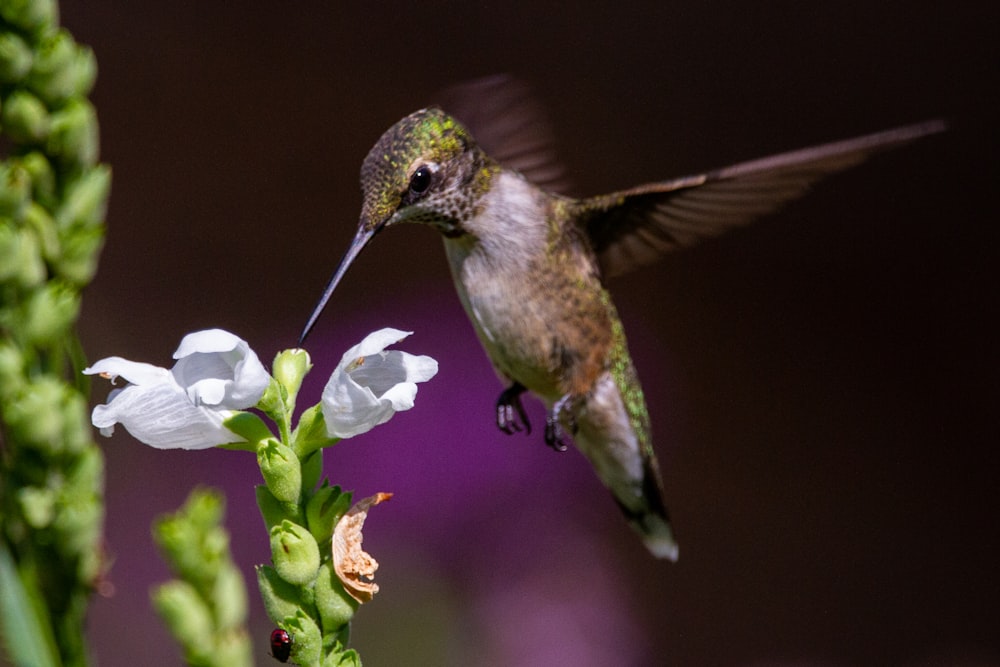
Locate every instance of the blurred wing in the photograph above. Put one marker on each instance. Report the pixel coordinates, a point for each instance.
(510, 125)
(635, 227)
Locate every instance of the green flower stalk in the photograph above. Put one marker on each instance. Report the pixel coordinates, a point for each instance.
(53, 194)
(205, 608)
(319, 574)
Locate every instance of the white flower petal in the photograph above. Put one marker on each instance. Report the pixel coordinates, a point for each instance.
(218, 368)
(401, 396)
(379, 371)
(216, 372)
(374, 342)
(251, 379)
(350, 409)
(210, 391)
(135, 372)
(419, 369)
(207, 341)
(161, 416)
(370, 385)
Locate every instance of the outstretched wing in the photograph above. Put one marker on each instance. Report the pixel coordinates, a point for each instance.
(510, 125)
(635, 227)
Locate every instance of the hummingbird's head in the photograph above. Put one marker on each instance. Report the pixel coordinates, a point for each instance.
(426, 168)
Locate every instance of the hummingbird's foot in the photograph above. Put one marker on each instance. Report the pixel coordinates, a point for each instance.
(555, 436)
(511, 417)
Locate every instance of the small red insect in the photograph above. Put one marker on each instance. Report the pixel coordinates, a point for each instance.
(281, 645)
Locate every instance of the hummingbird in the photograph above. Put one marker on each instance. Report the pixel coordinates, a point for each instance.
(530, 266)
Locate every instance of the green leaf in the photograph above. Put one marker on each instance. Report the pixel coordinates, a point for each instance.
(311, 435)
(25, 632)
(249, 426)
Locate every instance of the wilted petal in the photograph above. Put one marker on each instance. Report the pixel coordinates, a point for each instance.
(354, 566)
(218, 368)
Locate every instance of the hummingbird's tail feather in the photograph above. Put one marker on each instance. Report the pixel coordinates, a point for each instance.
(652, 521)
(613, 433)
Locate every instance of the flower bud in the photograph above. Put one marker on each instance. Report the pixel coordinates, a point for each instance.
(281, 470)
(25, 119)
(41, 223)
(290, 367)
(15, 57)
(349, 658)
(83, 70)
(308, 645)
(204, 508)
(11, 363)
(230, 598)
(232, 648)
(91, 564)
(35, 416)
(192, 539)
(30, 15)
(10, 249)
(77, 524)
(60, 70)
(76, 426)
(73, 136)
(324, 509)
(294, 552)
(15, 189)
(22, 262)
(43, 178)
(79, 250)
(281, 599)
(184, 612)
(49, 312)
(37, 505)
(336, 607)
(86, 475)
(85, 199)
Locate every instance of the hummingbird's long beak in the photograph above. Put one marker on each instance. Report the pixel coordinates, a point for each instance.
(361, 239)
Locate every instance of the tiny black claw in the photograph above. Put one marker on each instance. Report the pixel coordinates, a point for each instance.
(555, 437)
(511, 417)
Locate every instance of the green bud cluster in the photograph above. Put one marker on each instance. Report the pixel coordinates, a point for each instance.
(300, 590)
(53, 193)
(205, 607)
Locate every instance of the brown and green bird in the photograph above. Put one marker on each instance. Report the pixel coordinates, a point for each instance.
(530, 268)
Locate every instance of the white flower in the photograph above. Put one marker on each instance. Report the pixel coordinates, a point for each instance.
(216, 374)
(370, 385)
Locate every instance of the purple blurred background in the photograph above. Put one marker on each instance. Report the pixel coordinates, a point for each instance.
(822, 384)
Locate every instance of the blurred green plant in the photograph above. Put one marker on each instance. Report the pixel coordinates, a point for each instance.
(53, 194)
(205, 607)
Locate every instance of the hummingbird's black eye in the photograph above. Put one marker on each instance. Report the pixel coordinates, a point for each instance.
(420, 182)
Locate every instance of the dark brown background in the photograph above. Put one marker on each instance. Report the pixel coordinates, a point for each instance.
(823, 384)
